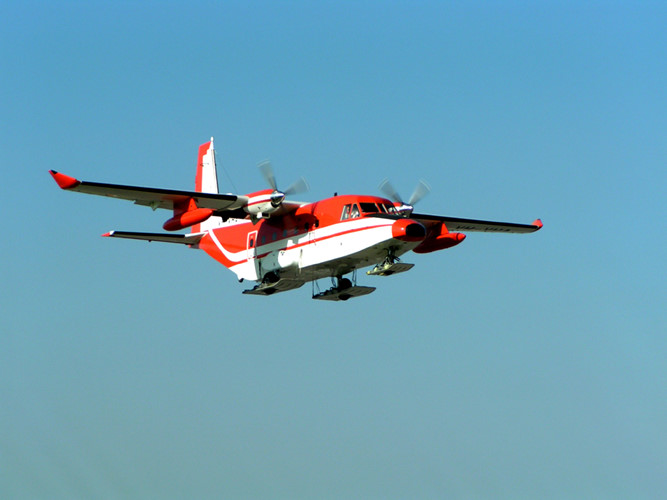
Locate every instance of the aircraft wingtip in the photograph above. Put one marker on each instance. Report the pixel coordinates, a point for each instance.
(64, 181)
(538, 223)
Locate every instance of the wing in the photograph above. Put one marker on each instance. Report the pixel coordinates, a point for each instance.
(184, 239)
(455, 224)
(151, 197)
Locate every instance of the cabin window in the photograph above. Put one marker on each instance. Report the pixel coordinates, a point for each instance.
(354, 211)
(263, 239)
(391, 209)
(369, 208)
(346, 212)
(274, 236)
(284, 233)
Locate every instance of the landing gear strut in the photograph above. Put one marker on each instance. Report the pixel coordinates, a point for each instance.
(390, 265)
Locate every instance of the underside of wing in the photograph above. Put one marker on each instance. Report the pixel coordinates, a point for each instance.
(151, 197)
(183, 239)
(469, 225)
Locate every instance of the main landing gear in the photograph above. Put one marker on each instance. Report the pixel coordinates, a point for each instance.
(272, 283)
(344, 289)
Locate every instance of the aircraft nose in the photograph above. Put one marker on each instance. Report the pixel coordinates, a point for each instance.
(408, 230)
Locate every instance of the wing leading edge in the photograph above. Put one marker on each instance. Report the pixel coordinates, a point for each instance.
(151, 197)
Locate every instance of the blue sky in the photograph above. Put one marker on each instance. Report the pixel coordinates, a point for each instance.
(523, 366)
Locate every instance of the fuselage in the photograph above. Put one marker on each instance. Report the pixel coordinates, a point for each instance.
(330, 237)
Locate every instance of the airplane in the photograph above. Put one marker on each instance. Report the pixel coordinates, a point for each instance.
(282, 244)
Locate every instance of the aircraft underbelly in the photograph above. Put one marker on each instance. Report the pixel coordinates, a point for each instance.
(344, 254)
(323, 253)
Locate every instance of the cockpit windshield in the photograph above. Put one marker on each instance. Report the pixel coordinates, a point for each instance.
(351, 211)
(369, 208)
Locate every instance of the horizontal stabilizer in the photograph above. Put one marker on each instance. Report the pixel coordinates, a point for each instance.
(183, 239)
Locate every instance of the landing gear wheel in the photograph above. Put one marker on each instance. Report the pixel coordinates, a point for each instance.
(344, 283)
(271, 278)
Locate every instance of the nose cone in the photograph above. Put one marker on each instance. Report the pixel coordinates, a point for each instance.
(408, 230)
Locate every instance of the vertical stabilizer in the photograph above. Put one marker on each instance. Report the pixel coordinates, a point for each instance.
(206, 180)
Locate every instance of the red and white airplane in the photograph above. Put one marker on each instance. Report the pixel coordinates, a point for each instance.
(282, 244)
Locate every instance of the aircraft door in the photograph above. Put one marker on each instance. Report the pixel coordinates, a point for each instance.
(252, 246)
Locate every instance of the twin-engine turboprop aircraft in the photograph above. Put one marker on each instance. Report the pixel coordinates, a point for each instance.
(282, 244)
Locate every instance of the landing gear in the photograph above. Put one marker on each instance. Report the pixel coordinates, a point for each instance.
(343, 289)
(271, 283)
(390, 265)
(343, 283)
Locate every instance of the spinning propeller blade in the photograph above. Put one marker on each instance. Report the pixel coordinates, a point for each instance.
(266, 169)
(420, 191)
(300, 186)
(392, 194)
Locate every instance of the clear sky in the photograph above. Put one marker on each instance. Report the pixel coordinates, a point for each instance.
(511, 366)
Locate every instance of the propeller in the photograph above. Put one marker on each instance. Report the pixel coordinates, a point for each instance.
(299, 186)
(420, 191)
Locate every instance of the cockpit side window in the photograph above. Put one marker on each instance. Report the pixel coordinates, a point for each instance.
(350, 211)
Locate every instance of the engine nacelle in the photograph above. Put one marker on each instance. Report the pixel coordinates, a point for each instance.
(187, 219)
(264, 203)
(439, 240)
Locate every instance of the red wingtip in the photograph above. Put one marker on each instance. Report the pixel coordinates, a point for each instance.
(538, 223)
(64, 181)
(107, 234)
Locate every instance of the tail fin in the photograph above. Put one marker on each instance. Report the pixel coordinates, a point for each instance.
(206, 180)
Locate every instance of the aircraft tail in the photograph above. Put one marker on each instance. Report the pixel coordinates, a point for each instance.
(206, 180)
